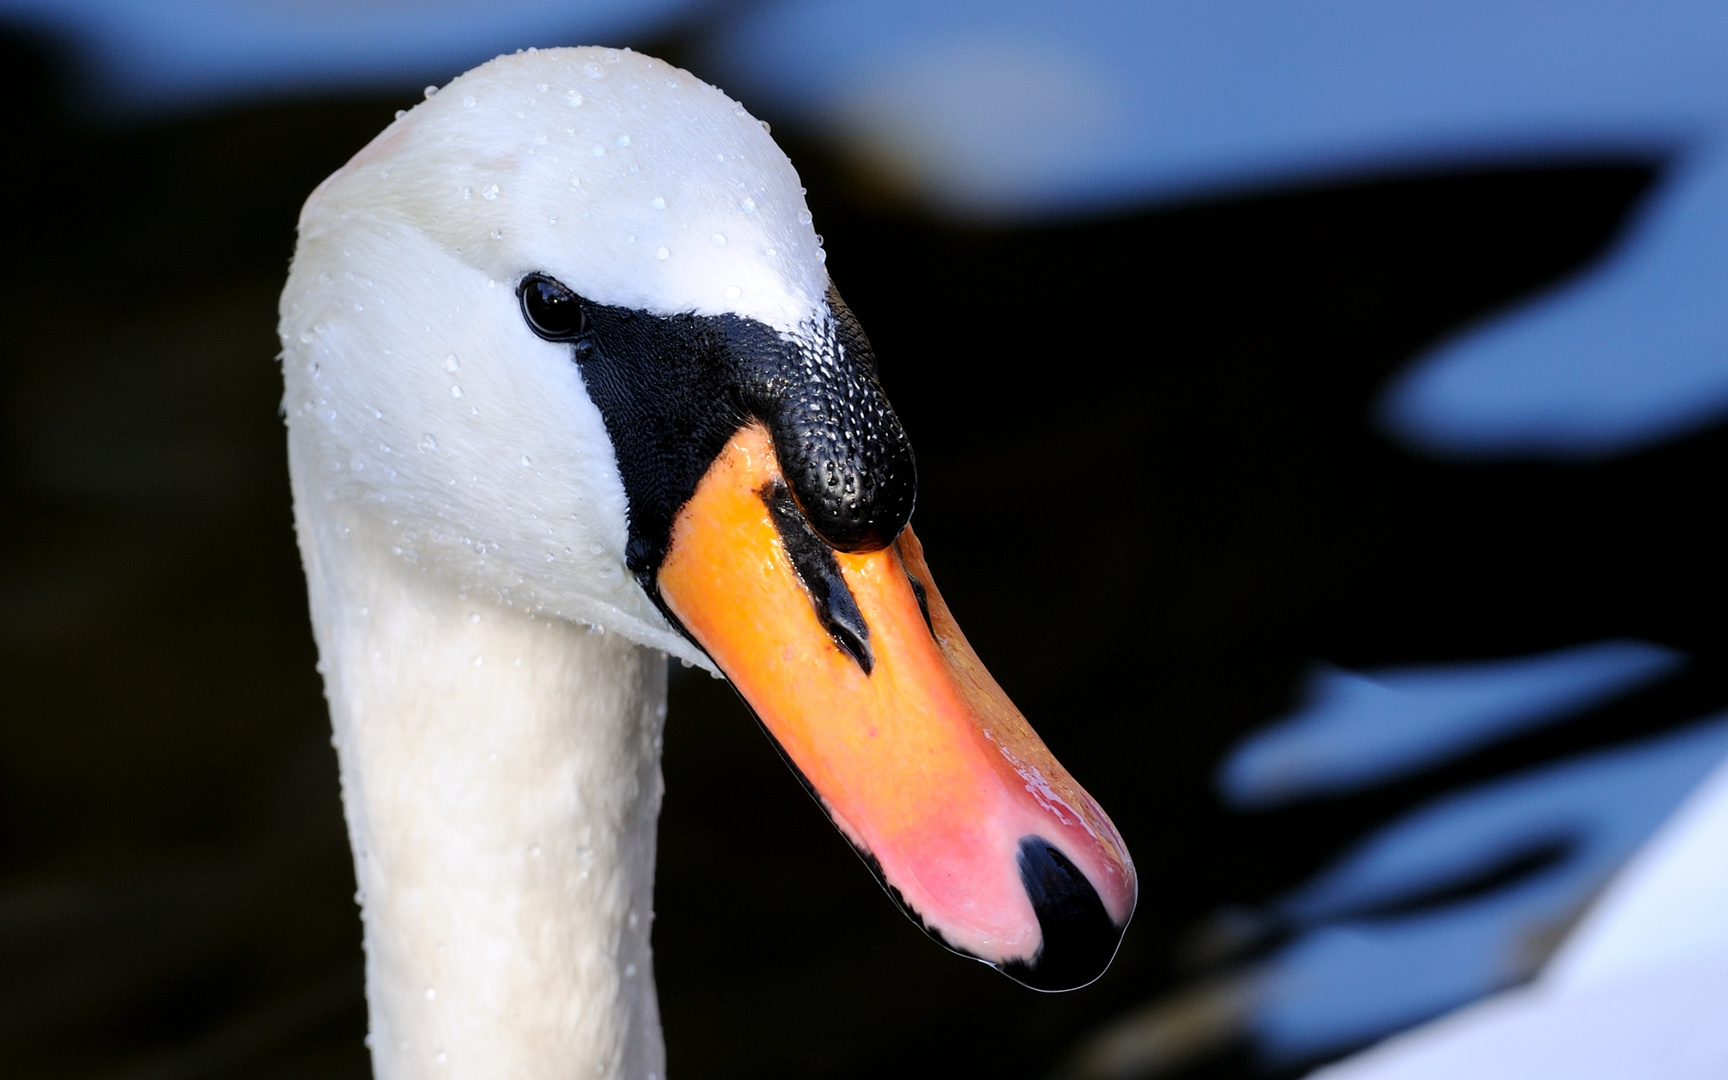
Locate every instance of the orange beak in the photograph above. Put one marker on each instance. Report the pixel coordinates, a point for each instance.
(884, 709)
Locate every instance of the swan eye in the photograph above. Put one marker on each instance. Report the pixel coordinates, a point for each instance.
(552, 311)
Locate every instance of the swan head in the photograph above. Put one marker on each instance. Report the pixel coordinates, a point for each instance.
(562, 335)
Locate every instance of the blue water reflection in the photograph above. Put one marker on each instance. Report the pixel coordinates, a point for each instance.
(1360, 729)
(1034, 110)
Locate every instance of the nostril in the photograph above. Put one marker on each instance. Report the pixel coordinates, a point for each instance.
(1079, 938)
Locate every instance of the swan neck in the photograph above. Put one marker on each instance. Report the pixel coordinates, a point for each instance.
(501, 781)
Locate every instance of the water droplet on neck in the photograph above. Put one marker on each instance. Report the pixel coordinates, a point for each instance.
(658, 203)
(573, 99)
(490, 192)
(748, 206)
(662, 253)
(455, 391)
(719, 240)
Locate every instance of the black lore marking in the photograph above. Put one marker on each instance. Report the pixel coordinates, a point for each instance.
(673, 388)
(836, 607)
(1079, 938)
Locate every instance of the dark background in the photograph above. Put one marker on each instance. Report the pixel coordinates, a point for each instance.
(1150, 491)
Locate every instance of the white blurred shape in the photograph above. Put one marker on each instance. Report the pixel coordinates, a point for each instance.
(1359, 729)
(1657, 1025)
(1639, 989)
(1668, 906)
(1389, 949)
(978, 119)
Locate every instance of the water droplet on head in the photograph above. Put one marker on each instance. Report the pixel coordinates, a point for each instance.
(623, 140)
(428, 443)
(455, 391)
(467, 193)
(719, 240)
(662, 253)
(400, 113)
(429, 91)
(490, 192)
(765, 126)
(468, 102)
(748, 205)
(630, 239)
(599, 151)
(573, 99)
(804, 217)
(594, 71)
(658, 203)
(497, 234)
(542, 87)
(525, 460)
(451, 363)
(305, 337)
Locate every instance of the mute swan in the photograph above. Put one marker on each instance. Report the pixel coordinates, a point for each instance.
(568, 388)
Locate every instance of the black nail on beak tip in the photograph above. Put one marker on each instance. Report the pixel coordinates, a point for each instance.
(1079, 938)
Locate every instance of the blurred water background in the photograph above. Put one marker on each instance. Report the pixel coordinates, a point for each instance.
(1319, 407)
